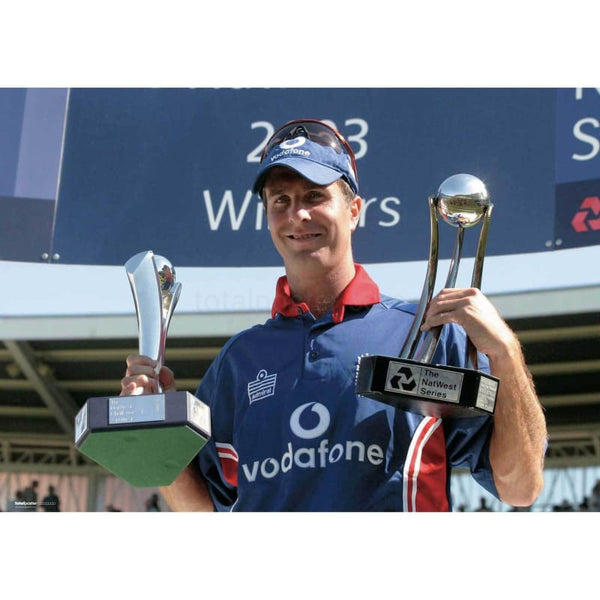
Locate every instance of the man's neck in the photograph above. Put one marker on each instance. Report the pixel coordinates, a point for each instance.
(319, 289)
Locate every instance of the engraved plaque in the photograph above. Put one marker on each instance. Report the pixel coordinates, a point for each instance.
(136, 409)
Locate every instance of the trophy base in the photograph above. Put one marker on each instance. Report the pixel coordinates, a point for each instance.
(429, 390)
(144, 440)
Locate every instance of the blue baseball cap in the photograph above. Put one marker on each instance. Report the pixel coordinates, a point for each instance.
(312, 149)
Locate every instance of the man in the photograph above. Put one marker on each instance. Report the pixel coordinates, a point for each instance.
(51, 502)
(289, 431)
(30, 497)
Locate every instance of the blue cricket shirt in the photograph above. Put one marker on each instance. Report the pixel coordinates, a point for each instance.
(289, 432)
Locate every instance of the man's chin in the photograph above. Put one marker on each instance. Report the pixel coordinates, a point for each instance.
(313, 259)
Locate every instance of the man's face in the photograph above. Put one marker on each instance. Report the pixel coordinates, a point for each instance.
(311, 225)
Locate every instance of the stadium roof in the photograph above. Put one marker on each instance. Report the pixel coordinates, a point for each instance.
(49, 366)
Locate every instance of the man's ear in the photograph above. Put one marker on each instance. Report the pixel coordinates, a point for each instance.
(355, 208)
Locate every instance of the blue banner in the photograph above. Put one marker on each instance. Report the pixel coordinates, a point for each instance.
(31, 136)
(12, 105)
(577, 209)
(172, 169)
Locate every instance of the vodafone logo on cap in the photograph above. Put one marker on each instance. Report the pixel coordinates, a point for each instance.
(291, 147)
(293, 143)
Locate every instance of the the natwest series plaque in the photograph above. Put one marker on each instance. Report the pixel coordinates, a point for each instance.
(409, 381)
(147, 440)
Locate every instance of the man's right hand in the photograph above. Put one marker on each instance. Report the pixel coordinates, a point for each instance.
(188, 492)
(141, 378)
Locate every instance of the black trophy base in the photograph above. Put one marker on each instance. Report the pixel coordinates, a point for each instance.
(145, 440)
(429, 390)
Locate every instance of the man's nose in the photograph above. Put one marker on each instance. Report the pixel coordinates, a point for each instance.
(299, 212)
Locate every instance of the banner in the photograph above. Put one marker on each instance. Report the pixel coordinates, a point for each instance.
(172, 169)
(577, 210)
(90, 177)
(31, 136)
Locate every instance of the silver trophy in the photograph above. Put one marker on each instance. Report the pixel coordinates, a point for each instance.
(155, 293)
(409, 381)
(147, 440)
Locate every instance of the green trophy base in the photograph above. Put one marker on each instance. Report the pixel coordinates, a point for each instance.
(144, 440)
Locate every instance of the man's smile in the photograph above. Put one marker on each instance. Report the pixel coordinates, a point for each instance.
(303, 236)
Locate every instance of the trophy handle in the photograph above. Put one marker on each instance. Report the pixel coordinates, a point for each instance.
(169, 302)
(430, 342)
(471, 351)
(480, 255)
(411, 341)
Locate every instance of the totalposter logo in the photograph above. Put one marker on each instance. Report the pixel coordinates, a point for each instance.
(310, 421)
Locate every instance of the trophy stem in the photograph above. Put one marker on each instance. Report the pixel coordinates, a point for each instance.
(169, 304)
(410, 343)
(430, 341)
(146, 294)
(455, 261)
(481, 245)
(470, 350)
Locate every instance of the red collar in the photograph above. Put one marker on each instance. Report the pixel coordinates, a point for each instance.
(361, 291)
